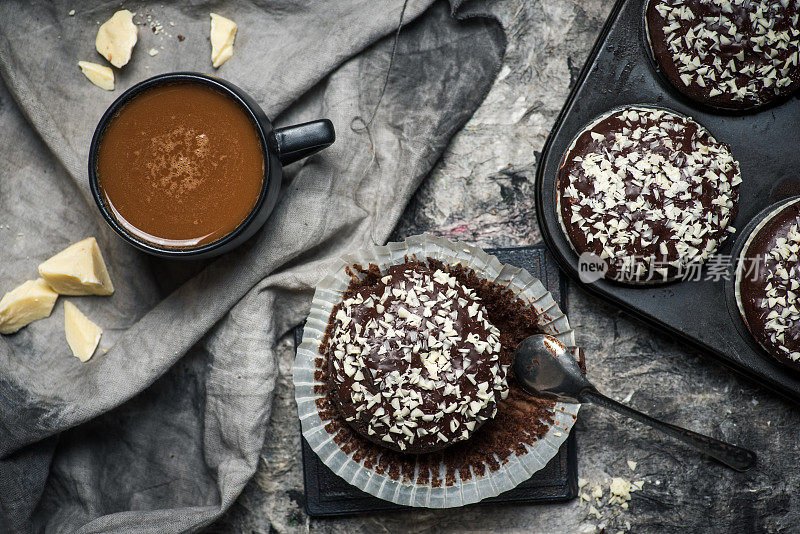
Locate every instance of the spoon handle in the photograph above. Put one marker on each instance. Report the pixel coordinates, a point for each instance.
(730, 455)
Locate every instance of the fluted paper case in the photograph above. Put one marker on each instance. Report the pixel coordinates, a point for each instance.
(517, 467)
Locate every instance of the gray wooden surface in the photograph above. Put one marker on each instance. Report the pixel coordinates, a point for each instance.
(482, 192)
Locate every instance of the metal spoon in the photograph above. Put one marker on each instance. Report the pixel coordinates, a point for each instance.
(543, 365)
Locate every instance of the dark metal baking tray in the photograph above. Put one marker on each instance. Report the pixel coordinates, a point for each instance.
(766, 143)
(328, 495)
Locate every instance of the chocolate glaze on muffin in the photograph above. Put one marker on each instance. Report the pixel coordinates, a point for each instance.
(414, 363)
(727, 53)
(768, 283)
(648, 191)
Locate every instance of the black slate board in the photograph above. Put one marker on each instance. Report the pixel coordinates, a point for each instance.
(328, 495)
(619, 71)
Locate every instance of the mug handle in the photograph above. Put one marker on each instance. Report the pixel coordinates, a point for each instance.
(301, 140)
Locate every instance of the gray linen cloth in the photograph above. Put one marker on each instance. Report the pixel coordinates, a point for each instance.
(161, 432)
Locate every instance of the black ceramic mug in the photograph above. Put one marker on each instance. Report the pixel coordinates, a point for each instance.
(280, 146)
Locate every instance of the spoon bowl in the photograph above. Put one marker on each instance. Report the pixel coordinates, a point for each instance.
(543, 365)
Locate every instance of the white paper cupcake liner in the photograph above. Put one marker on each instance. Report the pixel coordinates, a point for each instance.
(517, 468)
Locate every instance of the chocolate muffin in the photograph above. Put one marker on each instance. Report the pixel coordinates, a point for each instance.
(725, 53)
(768, 283)
(413, 361)
(648, 191)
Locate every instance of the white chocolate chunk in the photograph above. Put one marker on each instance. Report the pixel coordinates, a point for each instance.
(78, 270)
(83, 335)
(24, 304)
(100, 75)
(116, 38)
(223, 32)
(621, 488)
